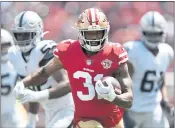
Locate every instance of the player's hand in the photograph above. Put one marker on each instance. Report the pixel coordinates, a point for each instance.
(18, 90)
(166, 107)
(106, 92)
(34, 96)
(28, 96)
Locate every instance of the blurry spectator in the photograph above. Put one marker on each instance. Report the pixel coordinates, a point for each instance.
(58, 16)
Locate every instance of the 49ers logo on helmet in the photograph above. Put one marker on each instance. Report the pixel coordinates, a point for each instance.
(93, 16)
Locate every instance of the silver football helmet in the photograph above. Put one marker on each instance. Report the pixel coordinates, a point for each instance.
(153, 29)
(6, 42)
(27, 30)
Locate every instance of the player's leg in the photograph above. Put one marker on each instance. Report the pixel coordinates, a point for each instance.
(16, 118)
(156, 119)
(133, 119)
(21, 115)
(9, 120)
(32, 114)
(170, 116)
(60, 118)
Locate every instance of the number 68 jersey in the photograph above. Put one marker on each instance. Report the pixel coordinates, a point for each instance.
(148, 74)
(8, 81)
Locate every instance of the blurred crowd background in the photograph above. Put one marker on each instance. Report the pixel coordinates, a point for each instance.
(59, 18)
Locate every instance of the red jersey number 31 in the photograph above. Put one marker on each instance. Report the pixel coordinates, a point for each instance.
(88, 84)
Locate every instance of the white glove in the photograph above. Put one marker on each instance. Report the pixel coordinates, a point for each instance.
(32, 96)
(106, 92)
(18, 90)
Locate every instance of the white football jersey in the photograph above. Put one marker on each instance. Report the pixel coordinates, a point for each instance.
(25, 67)
(148, 74)
(8, 81)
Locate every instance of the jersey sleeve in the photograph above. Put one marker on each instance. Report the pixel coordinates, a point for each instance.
(9, 53)
(171, 53)
(131, 51)
(47, 50)
(13, 72)
(122, 56)
(128, 46)
(57, 52)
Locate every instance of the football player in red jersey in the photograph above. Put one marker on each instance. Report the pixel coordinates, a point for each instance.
(87, 60)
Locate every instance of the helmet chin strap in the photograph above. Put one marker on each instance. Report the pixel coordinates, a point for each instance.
(92, 48)
(151, 45)
(26, 49)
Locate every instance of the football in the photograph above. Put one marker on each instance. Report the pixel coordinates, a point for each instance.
(114, 82)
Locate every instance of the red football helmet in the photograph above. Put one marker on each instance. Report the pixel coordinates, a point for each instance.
(93, 29)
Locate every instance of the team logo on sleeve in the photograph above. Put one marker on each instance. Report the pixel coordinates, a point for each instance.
(106, 63)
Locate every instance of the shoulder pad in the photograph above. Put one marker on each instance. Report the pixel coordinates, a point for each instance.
(130, 45)
(65, 44)
(168, 49)
(68, 41)
(11, 68)
(45, 42)
(62, 47)
(118, 48)
(11, 51)
(120, 53)
(45, 46)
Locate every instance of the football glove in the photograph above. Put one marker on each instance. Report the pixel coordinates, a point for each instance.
(106, 92)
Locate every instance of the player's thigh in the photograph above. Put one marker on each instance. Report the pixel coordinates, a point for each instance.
(17, 119)
(156, 120)
(6, 121)
(11, 120)
(133, 119)
(9, 123)
(62, 119)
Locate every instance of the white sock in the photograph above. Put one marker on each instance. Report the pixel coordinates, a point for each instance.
(32, 119)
